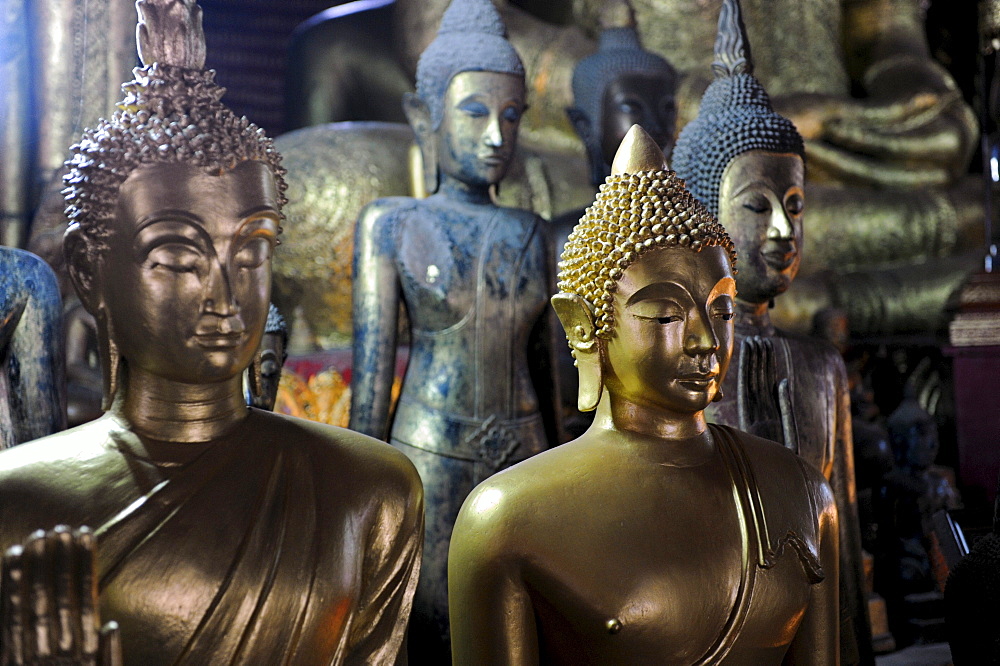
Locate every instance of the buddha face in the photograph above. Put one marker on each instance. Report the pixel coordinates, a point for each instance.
(478, 132)
(760, 205)
(186, 280)
(673, 334)
(638, 98)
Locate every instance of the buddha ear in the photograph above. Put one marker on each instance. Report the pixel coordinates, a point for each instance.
(577, 320)
(418, 114)
(82, 269)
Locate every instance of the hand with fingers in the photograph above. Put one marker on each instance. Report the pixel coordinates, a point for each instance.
(765, 405)
(48, 603)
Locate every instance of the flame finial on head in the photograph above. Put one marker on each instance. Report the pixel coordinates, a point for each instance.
(638, 152)
(732, 48)
(169, 32)
(735, 117)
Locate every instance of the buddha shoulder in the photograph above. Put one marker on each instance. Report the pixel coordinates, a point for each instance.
(526, 496)
(343, 458)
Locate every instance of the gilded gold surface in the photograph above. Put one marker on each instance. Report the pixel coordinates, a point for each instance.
(696, 559)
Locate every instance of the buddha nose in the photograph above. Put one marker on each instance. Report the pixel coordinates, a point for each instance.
(219, 298)
(781, 225)
(700, 339)
(493, 136)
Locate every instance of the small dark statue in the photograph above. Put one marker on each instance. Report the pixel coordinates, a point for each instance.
(914, 491)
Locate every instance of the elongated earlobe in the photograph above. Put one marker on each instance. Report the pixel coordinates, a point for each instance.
(577, 320)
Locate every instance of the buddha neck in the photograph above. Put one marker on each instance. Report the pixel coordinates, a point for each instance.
(456, 190)
(753, 318)
(676, 439)
(170, 411)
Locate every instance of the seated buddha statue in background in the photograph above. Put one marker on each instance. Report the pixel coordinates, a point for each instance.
(224, 534)
(744, 162)
(655, 537)
(478, 394)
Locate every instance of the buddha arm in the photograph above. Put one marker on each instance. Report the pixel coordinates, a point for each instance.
(913, 129)
(817, 641)
(376, 292)
(491, 614)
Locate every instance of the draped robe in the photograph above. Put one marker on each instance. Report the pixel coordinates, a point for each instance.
(282, 542)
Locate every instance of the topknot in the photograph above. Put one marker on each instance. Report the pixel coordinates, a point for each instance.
(735, 117)
(633, 214)
(169, 114)
(472, 38)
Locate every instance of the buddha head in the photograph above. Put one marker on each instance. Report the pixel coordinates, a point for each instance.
(745, 163)
(469, 100)
(620, 85)
(174, 206)
(646, 289)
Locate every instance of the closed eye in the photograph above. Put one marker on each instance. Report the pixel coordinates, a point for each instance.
(474, 109)
(757, 207)
(669, 319)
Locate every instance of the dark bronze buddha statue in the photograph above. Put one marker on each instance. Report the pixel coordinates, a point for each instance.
(224, 534)
(478, 394)
(655, 537)
(264, 372)
(744, 162)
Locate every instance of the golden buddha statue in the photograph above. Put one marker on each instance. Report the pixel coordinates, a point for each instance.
(224, 534)
(744, 162)
(478, 394)
(655, 537)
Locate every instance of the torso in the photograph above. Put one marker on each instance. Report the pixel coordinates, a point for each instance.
(652, 575)
(229, 548)
(475, 283)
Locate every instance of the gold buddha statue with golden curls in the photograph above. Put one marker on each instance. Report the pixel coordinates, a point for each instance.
(223, 533)
(655, 537)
